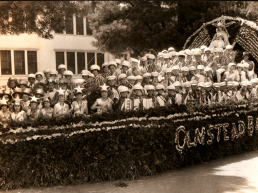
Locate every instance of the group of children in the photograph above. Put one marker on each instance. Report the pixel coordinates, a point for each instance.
(189, 77)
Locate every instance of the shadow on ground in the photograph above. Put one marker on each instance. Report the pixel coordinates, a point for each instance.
(236, 173)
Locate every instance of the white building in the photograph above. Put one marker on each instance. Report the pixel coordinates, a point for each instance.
(23, 54)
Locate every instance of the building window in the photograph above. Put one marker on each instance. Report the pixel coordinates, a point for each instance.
(6, 66)
(88, 29)
(100, 61)
(90, 59)
(79, 25)
(59, 28)
(80, 61)
(71, 61)
(76, 61)
(32, 62)
(13, 62)
(19, 62)
(69, 24)
(59, 59)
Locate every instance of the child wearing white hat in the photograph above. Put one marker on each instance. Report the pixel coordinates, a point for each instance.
(39, 77)
(188, 57)
(231, 92)
(61, 69)
(124, 103)
(200, 77)
(122, 81)
(114, 71)
(243, 94)
(171, 94)
(231, 74)
(246, 56)
(174, 58)
(175, 74)
(131, 80)
(207, 57)
(134, 69)
(154, 78)
(144, 67)
(185, 72)
(98, 79)
(112, 87)
(146, 79)
(69, 75)
(149, 90)
(31, 80)
(106, 71)
(160, 97)
(125, 67)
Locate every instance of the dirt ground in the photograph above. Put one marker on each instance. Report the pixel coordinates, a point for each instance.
(238, 174)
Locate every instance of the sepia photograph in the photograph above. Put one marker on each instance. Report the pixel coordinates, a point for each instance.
(128, 96)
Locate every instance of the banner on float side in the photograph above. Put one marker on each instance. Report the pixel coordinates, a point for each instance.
(187, 136)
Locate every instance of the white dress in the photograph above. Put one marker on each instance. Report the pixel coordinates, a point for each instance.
(231, 76)
(47, 113)
(103, 104)
(161, 101)
(18, 117)
(79, 109)
(61, 108)
(5, 118)
(26, 105)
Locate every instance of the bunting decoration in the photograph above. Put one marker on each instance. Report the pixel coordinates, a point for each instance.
(248, 39)
(203, 38)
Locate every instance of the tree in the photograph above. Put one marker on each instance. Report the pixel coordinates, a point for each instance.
(148, 25)
(145, 27)
(40, 17)
(156, 25)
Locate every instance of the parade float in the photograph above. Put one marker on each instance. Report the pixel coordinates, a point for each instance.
(236, 31)
(129, 145)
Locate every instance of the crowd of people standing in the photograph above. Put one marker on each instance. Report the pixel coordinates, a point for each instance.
(197, 76)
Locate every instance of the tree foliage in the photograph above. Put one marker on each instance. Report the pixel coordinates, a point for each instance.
(40, 17)
(158, 25)
(148, 24)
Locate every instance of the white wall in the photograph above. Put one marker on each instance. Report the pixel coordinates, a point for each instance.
(46, 48)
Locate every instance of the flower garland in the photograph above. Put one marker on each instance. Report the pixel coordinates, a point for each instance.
(72, 129)
(176, 117)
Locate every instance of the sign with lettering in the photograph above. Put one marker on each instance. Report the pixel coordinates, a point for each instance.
(214, 133)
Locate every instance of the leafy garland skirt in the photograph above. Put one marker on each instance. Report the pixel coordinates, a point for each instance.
(121, 150)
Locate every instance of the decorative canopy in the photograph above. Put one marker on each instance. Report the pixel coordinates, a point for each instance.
(246, 36)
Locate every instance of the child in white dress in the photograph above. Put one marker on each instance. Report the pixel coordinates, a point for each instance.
(5, 115)
(103, 104)
(61, 109)
(18, 115)
(47, 111)
(79, 106)
(33, 113)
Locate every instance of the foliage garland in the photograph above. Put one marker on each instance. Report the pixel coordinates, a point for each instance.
(131, 145)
